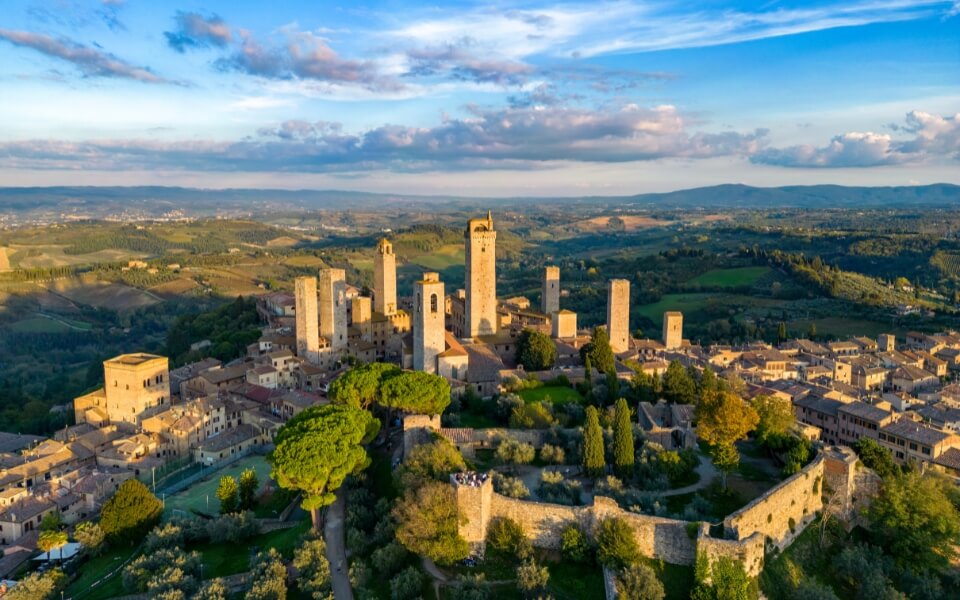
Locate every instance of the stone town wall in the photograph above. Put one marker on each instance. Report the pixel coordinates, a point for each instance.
(658, 537)
(784, 510)
(749, 551)
(746, 532)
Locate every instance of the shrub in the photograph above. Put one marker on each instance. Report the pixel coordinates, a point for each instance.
(554, 488)
(167, 535)
(639, 582)
(269, 577)
(532, 578)
(38, 586)
(232, 528)
(553, 455)
(406, 585)
(310, 560)
(512, 487)
(506, 535)
(165, 570)
(574, 544)
(616, 544)
(390, 559)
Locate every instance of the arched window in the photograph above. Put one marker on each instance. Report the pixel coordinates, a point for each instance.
(433, 303)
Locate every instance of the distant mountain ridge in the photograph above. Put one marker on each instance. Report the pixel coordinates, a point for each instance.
(156, 200)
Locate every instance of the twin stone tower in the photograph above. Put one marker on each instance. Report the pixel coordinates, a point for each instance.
(321, 311)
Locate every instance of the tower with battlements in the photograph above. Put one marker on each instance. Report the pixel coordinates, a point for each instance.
(618, 314)
(550, 294)
(672, 330)
(428, 322)
(308, 327)
(481, 277)
(385, 279)
(333, 307)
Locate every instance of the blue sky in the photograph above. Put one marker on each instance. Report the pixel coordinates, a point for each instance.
(513, 98)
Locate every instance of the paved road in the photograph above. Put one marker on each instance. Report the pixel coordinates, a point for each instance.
(336, 551)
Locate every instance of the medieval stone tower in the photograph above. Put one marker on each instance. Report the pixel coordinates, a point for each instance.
(361, 316)
(887, 342)
(672, 330)
(385, 279)
(428, 322)
(550, 295)
(333, 307)
(308, 326)
(481, 301)
(618, 314)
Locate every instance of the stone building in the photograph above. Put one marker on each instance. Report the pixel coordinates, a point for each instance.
(385, 279)
(307, 319)
(618, 314)
(428, 322)
(564, 324)
(481, 277)
(333, 307)
(135, 385)
(550, 294)
(362, 317)
(672, 330)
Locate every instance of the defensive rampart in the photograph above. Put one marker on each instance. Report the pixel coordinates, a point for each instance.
(774, 518)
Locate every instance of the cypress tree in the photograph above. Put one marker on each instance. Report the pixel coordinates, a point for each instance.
(593, 459)
(622, 440)
(613, 386)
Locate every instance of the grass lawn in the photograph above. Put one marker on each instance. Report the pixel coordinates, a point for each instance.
(738, 277)
(195, 497)
(557, 394)
(93, 570)
(693, 305)
(220, 560)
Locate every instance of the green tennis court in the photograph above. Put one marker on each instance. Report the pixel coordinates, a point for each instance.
(202, 496)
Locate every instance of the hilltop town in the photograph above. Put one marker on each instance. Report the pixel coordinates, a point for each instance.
(523, 390)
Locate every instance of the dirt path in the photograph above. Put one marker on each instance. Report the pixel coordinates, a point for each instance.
(336, 551)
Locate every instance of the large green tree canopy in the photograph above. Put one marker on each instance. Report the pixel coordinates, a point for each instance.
(599, 351)
(416, 392)
(130, 513)
(317, 449)
(535, 350)
(360, 387)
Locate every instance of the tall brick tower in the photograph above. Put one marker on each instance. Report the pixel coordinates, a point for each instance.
(333, 307)
(385, 279)
(481, 259)
(618, 314)
(308, 326)
(550, 295)
(428, 322)
(672, 330)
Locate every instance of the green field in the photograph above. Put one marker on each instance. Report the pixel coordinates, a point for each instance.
(39, 325)
(557, 394)
(447, 256)
(840, 327)
(202, 496)
(691, 304)
(725, 278)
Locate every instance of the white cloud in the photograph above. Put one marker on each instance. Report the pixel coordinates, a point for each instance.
(936, 137)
